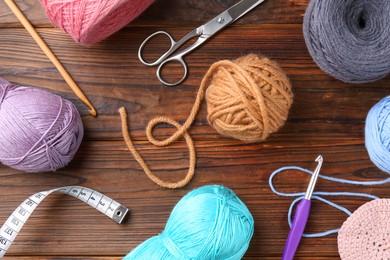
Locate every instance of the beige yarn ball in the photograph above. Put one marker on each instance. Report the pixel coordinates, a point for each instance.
(248, 98)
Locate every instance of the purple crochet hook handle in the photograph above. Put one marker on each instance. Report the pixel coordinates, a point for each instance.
(301, 216)
(297, 228)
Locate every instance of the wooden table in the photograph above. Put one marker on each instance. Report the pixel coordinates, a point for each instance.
(327, 118)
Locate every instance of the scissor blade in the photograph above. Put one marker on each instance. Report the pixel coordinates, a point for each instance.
(242, 7)
(227, 17)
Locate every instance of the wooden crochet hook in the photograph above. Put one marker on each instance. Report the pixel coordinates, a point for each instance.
(38, 39)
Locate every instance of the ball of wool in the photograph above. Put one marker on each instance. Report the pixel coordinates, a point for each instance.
(90, 21)
(248, 98)
(209, 223)
(39, 131)
(366, 233)
(377, 134)
(349, 39)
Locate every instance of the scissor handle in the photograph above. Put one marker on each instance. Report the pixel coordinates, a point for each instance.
(162, 57)
(178, 59)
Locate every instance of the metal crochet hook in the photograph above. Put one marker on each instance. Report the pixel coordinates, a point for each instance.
(301, 216)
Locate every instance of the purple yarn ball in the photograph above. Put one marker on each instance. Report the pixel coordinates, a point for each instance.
(39, 131)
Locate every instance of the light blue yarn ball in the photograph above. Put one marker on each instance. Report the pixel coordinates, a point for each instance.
(210, 222)
(378, 134)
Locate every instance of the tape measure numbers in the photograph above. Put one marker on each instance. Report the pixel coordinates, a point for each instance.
(18, 218)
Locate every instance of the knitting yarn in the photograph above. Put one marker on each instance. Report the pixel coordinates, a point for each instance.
(349, 39)
(366, 233)
(319, 195)
(209, 223)
(39, 131)
(377, 133)
(247, 99)
(90, 21)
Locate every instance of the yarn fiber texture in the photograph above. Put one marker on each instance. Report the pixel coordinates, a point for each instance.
(247, 99)
(209, 223)
(90, 21)
(349, 39)
(377, 134)
(39, 131)
(366, 233)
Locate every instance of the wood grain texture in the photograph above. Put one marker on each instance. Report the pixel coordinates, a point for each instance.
(327, 118)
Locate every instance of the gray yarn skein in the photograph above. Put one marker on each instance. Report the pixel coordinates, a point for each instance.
(349, 39)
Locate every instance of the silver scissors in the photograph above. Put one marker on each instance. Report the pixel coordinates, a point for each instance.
(204, 32)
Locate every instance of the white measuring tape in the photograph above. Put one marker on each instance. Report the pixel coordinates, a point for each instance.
(15, 222)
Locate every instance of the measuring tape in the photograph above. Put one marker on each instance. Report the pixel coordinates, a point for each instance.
(15, 222)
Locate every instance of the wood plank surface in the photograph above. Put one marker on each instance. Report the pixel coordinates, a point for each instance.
(327, 118)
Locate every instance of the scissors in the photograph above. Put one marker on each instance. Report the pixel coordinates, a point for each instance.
(204, 32)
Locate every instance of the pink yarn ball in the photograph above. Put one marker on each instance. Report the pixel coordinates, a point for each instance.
(90, 21)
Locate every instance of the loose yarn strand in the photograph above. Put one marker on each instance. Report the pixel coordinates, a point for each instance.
(332, 204)
(181, 131)
(317, 194)
(140, 160)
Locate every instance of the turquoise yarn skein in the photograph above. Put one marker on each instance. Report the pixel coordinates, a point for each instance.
(210, 222)
(378, 134)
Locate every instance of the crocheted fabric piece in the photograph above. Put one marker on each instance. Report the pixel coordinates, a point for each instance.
(365, 235)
